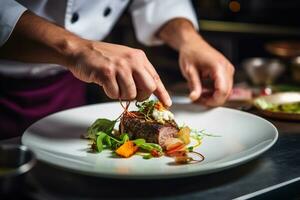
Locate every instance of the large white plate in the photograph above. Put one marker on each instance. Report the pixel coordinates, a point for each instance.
(56, 140)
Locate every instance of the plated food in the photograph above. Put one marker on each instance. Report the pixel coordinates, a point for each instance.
(56, 140)
(150, 131)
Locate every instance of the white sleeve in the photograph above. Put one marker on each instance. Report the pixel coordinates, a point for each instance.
(10, 12)
(149, 16)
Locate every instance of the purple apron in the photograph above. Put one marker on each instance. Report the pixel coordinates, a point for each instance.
(24, 101)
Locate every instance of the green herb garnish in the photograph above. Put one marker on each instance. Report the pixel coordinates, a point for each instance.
(141, 143)
(148, 156)
(146, 108)
(202, 133)
(99, 141)
(100, 125)
(190, 149)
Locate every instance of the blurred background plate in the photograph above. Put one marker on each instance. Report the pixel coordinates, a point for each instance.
(279, 98)
(280, 115)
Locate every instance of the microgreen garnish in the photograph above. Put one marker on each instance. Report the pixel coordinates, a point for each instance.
(146, 108)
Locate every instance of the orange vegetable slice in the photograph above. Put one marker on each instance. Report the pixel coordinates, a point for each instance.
(172, 143)
(127, 149)
(176, 150)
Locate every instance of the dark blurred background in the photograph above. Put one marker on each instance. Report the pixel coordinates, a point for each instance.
(240, 29)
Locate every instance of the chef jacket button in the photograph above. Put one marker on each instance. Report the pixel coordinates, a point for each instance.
(107, 11)
(74, 18)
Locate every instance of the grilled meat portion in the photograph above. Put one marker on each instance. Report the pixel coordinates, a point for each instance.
(151, 131)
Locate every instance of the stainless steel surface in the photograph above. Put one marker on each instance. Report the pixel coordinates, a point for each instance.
(263, 71)
(15, 161)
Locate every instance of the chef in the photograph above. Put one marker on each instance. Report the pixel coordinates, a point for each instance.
(48, 47)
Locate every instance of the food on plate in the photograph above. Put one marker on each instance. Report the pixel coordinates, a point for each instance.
(293, 107)
(127, 149)
(150, 131)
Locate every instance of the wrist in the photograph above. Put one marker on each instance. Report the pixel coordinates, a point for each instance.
(178, 32)
(186, 38)
(191, 40)
(69, 48)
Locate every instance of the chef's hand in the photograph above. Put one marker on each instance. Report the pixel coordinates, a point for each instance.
(199, 61)
(123, 72)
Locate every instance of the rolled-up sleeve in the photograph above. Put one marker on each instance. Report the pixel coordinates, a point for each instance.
(10, 12)
(149, 16)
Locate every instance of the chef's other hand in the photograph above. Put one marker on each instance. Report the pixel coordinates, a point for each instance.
(123, 72)
(199, 61)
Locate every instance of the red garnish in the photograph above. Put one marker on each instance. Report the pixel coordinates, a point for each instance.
(178, 148)
(155, 153)
(159, 106)
(266, 91)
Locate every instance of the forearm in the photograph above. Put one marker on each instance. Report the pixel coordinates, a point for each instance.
(123, 72)
(178, 32)
(34, 39)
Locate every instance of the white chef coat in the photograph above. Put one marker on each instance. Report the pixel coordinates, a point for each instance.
(92, 19)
